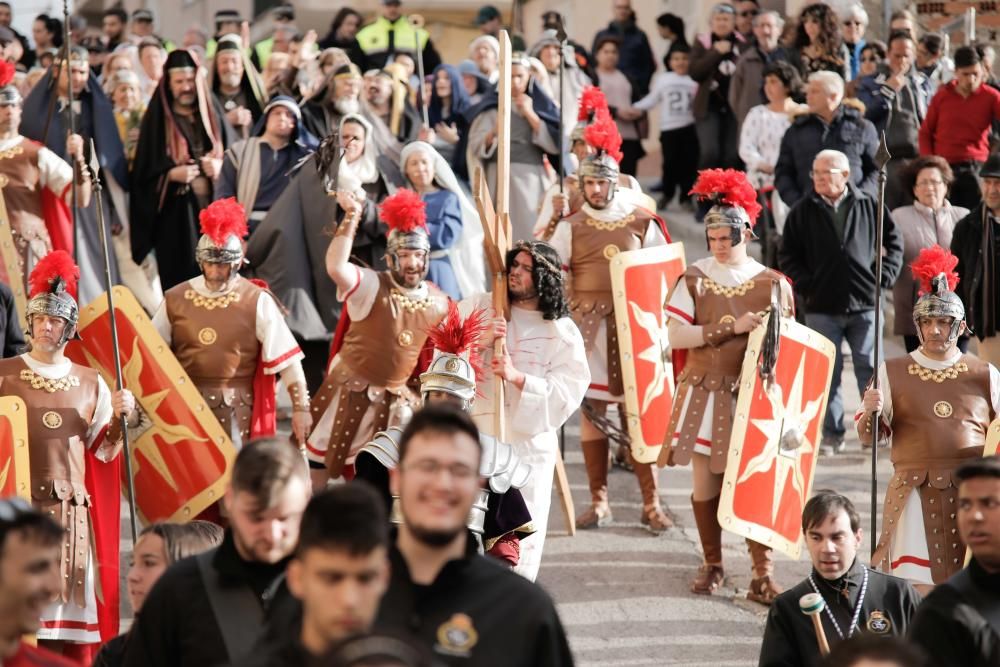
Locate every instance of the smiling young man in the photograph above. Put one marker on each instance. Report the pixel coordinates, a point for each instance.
(955, 624)
(937, 403)
(467, 608)
(857, 599)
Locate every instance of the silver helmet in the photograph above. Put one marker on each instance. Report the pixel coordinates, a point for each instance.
(223, 226)
(452, 374)
(10, 96)
(53, 285)
(209, 252)
(405, 213)
(735, 206)
(735, 218)
(600, 165)
(934, 269)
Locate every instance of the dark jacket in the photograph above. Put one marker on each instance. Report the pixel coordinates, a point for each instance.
(476, 612)
(908, 107)
(746, 88)
(789, 638)
(177, 625)
(11, 336)
(836, 276)
(955, 633)
(635, 57)
(848, 133)
(712, 81)
(967, 245)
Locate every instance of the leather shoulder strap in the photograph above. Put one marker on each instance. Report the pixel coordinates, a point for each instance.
(236, 609)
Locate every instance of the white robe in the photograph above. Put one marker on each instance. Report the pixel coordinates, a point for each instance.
(551, 355)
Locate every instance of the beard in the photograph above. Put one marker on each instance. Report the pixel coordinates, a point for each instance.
(230, 80)
(434, 538)
(522, 293)
(347, 105)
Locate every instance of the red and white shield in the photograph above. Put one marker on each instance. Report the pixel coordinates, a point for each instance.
(641, 281)
(775, 440)
(992, 438)
(15, 473)
(10, 265)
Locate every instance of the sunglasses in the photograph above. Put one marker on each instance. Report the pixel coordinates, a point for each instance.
(748, 13)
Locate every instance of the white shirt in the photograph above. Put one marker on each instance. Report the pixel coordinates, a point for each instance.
(54, 172)
(675, 96)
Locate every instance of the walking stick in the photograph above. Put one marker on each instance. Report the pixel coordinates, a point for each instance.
(101, 223)
(561, 36)
(417, 21)
(882, 158)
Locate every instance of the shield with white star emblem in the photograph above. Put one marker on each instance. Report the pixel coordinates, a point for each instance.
(777, 428)
(641, 281)
(181, 457)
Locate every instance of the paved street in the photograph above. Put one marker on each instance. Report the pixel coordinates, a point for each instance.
(623, 592)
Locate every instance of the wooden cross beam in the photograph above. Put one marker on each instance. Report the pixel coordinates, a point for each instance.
(495, 219)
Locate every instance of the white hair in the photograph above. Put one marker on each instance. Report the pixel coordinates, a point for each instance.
(835, 157)
(832, 82)
(856, 11)
(778, 18)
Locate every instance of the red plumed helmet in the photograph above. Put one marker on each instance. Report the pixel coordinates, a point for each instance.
(456, 367)
(222, 218)
(931, 263)
(727, 187)
(592, 100)
(603, 135)
(7, 72)
(50, 270)
(404, 211)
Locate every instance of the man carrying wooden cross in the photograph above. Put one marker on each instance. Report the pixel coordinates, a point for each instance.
(609, 222)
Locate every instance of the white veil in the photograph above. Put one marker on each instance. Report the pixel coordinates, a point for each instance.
(467, 254)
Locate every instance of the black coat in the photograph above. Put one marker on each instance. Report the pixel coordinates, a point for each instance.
(955, 633)
(848, 133)
(516, 622)
(967, 245)
(789, 638)
(11, 336)
(177, 625)
(836, 276)
(635, 55)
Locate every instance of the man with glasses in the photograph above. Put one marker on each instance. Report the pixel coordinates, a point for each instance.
(746, 11)
(853, 31)
(746, 88)
(828, 252)
(30, 576)
(958, 125)
(465, 607)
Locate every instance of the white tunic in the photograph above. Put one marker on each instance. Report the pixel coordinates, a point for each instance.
(551, 355)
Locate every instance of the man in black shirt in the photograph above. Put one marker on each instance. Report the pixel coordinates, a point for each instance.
(209, 609)
(857, 599)
(467, 609)
(958, 624)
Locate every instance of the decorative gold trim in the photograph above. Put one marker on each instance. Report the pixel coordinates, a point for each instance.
(611, 250)
(728, 292)
(52, 420)
(409, 303)
(212, 302)
(207, 336)
(727, 319)
(610, 226)
(943, 409)
(51, 386)
(925, 374)
(13, 151)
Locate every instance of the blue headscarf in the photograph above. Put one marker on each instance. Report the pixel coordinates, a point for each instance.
(459, 97)
(302, 137)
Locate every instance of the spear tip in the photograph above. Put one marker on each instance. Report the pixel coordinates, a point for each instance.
(882, 156)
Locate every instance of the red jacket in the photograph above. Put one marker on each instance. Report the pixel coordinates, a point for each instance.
(957, 128)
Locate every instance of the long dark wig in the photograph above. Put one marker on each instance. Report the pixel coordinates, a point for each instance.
(829, 38)
(546, 275)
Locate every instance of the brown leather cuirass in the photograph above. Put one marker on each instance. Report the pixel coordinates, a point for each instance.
(22, 193)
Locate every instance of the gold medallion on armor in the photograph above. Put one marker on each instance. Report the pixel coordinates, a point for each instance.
(451, 365)
(51, 420)
(611, 250)
(727, 319)
(207, 336)
(405, 337)
(456, 636)
(943, 409)
(878, 623)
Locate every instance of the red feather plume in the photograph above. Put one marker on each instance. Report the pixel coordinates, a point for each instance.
(932, 262)
(56, 264)
(603, 135)
(404, 211)
(457, 337)
(592, 100)
(6, 73)
(728, 186)
(222, 218)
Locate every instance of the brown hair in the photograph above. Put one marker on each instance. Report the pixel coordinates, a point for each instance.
(826, 503)
(181, 540)
(929, 162)
(264, 467)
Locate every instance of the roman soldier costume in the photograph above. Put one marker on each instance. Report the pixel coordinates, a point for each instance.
(69, 422)
(587, 241)
(937, 414)
(380, 335)
(711, 296)
(499, 515)
(233, 341)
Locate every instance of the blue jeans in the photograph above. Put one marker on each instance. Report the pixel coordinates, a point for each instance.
(859, 330)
